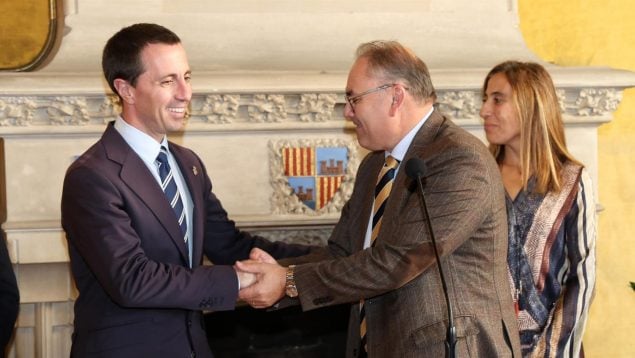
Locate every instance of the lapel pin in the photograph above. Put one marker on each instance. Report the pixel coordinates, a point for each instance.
(194, 170)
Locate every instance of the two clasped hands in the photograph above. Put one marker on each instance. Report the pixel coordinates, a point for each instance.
(262, 279)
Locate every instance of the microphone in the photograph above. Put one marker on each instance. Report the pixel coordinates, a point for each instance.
(415, 169)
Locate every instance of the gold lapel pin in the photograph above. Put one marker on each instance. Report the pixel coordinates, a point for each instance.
(194, 170)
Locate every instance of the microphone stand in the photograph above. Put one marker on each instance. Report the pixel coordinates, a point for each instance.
(450, 337)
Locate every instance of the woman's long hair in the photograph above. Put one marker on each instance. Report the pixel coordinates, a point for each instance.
(543, 149)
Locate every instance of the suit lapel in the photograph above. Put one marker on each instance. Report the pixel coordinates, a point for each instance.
(191, 170)
(403, 186)
(135, 174)
(426, 135)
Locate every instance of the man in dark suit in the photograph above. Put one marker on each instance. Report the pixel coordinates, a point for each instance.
(380, 256)
(9, 297)
(139, 214)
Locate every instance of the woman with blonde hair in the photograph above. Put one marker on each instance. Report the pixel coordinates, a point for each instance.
(550, 209)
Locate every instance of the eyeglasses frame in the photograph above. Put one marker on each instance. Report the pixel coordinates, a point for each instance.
(352, 100)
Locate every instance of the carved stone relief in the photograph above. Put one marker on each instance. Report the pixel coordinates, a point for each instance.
(219, 109)
(16, 111)
(316, 107)
(300, 108)
(596, 102)
(459, 104)
(283, 199)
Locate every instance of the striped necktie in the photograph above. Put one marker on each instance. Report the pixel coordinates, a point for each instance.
(382, 190)
(168, 184)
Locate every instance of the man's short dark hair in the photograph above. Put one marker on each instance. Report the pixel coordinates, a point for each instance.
(122, 54)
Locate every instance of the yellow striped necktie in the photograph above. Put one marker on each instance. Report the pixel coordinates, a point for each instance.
(382, 191)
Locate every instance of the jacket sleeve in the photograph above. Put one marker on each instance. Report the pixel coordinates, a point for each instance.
(564, 332)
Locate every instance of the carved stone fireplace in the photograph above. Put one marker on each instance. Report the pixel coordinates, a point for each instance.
(264, 79)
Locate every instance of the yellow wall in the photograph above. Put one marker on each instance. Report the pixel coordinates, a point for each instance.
(600, 33)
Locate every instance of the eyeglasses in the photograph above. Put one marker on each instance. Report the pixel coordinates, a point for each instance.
(352, 100)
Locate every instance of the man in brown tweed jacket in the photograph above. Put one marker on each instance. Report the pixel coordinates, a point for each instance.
(390, 100)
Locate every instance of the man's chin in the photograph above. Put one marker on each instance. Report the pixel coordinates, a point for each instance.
(365, 143)
(178, 124)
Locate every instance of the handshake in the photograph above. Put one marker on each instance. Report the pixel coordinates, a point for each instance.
(262, 279)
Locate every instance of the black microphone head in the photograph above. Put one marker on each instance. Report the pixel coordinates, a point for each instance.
(415, 168)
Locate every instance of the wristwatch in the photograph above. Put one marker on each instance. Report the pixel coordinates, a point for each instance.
(291, 289)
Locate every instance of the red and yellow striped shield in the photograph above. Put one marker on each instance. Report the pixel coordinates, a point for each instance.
(315, 174)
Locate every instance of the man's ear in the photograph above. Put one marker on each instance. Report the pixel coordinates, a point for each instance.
(125, 90)
(398, 96)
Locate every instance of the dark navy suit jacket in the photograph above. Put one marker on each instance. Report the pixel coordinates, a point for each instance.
(137, 295)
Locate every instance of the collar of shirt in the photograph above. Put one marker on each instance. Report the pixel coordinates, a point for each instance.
(399, 152)
(145, 146)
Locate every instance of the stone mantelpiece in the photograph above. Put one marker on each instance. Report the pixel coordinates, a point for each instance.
(47, 120)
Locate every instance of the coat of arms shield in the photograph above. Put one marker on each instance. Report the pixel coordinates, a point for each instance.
(314, 172)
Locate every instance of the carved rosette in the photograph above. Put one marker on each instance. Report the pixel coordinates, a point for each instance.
(68, 110)
(17, 111)
(460, 104)
(267, 108)
(316, 107)
(219, 109)
(597, 102)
